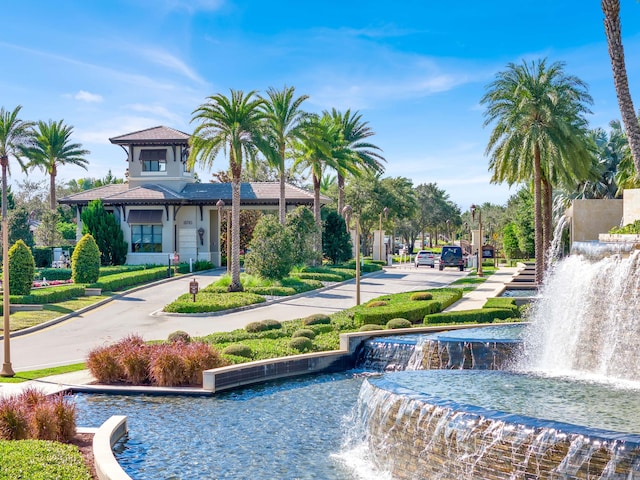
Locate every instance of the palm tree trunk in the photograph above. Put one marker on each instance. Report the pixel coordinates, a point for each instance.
(316, 216)
(611, 10)
(538, 223)
(7, 370)
(52, 189)
(340, 193)
(547, 214)
(283, 201)
(236, 171)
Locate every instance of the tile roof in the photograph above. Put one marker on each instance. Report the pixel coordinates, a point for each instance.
(254, 193)
(152, 135)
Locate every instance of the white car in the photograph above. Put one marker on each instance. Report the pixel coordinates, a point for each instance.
(425, 257)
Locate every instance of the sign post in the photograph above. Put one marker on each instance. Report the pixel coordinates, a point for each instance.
(176, 261)
(193, 288)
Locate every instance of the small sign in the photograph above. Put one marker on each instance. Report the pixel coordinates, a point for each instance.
(176, 258)
(193, 288)
(488, 251)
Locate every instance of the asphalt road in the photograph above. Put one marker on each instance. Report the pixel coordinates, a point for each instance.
(140, 313)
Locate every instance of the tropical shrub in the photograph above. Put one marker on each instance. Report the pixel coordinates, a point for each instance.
(239, 350)
(85, 261)
(317, 319)
(106, 231)
(304, 332)
(270, 255)
(398, 323)
(301, 344)
(22, 268)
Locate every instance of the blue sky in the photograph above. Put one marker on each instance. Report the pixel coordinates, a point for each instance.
(416, 70)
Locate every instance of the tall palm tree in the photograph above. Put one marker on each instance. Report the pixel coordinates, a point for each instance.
(14, 133)
(354, 153)
(540, 134)
(282, 127)
(314, 152)
(51, 147)
(611, 10)
(231, 124)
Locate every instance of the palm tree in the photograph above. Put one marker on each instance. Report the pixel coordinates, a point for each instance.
(611, 10)
(354, 153)
(14, 133)
(231, 124)
(314, 152)
(51, 147)
(282, 128)
(539, 134)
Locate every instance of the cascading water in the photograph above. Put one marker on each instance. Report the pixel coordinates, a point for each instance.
(586, 322)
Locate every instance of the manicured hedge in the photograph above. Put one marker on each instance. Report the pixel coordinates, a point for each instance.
(479, 315)
(53, 274)
(112, 283)
(117, 269)
(323, 277)
(42, 459)
(503, 302)
(212, 302)
(345, 274)
(57, 294)
(401, 306)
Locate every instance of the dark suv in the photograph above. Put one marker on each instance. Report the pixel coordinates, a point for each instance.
(451, 257)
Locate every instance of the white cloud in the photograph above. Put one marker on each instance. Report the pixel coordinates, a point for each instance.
(165, 59)
(157, 110)
(88, 97)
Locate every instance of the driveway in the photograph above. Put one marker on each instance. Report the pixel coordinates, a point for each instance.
(140, 313)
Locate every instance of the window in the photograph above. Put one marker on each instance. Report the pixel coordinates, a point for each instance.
(146, 238)
(153, 160)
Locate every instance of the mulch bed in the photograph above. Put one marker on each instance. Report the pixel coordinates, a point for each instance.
(84, 442)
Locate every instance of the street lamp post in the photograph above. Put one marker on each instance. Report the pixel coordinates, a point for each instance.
(384, 211)
(7, 370)
(475, 208)
(347, 213)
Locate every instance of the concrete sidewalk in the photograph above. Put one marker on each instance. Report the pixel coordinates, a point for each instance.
(492, 287)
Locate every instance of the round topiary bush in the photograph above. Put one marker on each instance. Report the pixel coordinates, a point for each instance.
(271, 324)
(317, 319)
(22, 268)
(179, 336)
(377, 303)
(254, 327)
(398, 323)
(421, 296)
(369, 327)
(302, 344)
(85, 261)
(304, 332)
(239, 350)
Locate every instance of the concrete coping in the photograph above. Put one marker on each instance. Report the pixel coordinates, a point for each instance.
(107, 467)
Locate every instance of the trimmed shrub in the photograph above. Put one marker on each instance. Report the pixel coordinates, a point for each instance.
(317, 319)
(85, 261)
(301, 344)
(42, 256)
(419, 296)
(398, 323)
(120, 281)
(369, 327)
(503, 302)
(239, 350)
(262, 326)
(376, 303)
(22, 268)
(479, 315)
(323, 277)
(53, 273)
(271, 253)
(412, 311)
(304, 332)
(49, 295)
(179, 336)
(207, 301)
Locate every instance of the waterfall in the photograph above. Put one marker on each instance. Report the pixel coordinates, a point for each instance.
(586, 322)
(555, 250)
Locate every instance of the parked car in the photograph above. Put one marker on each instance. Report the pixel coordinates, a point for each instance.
(451, 256)
(425, 257)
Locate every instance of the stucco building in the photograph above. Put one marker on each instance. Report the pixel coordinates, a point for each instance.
(162, 209)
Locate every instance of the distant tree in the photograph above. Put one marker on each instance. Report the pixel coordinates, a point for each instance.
(510, 241)
(106, 232)
(19, 227)
(11, 202)
(67, 230)
(302, 229)
(47, 234)
(336, 241)
(271, 250)
(22, 268)
(85, 261)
